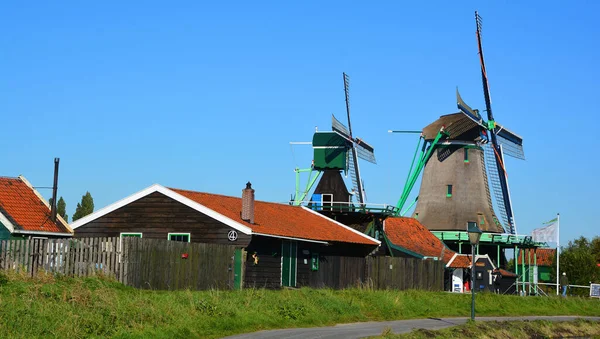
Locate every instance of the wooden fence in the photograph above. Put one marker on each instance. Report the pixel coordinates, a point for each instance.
(74, 257)
(338, 272)
(405, 273)
(170, 265)
(141, 263)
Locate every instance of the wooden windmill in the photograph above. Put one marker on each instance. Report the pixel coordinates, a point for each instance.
(334, 152)
(470, 158)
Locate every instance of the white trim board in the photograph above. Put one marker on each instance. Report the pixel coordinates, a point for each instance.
(291, 238)
(169, 193)
(4, 221)
(477, 257)
(204, 210)
(26, 232)
(45, 202)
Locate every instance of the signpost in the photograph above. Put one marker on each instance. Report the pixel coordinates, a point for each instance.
(595, 290)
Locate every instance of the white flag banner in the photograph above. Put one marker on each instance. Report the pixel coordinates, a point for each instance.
(547, 233)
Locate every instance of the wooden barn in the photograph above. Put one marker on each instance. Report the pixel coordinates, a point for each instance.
(25, 214)
(284, 246)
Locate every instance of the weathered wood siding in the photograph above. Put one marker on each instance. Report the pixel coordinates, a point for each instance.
(72, 257)
(160, 264)
(336, 272)
(267, 273)
(141, 263)
(405, 273)
(155, 216)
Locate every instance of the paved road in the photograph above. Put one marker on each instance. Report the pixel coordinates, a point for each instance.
(361, 330)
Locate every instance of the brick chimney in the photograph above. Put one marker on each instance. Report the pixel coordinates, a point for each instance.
(248, 203)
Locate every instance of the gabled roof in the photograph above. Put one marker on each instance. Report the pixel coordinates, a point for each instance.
(270, 219)
(410, 235)
(464, 260)
(24, 210)
(543, 256)
(460, 261)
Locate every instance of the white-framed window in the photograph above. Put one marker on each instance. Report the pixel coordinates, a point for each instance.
(183, 237)
(129, 234)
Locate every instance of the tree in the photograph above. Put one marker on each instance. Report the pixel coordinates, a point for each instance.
(595, 244)
(85, 207)
(61, 208)
(510, 265)
(579, 261)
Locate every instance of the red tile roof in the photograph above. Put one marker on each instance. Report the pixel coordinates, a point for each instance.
(20, 204)
(460, 261)
(410, 234)
(506, 273)
(544, 256)
(280, 219)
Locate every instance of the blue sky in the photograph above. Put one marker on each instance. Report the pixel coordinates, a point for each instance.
(207, 96)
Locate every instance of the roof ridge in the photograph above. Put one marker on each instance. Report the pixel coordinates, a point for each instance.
(7, 177)
(229, 196)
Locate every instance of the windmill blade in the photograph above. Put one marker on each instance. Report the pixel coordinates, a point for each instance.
(512, 144)
(494, 181)
(468, 111)
(339, 127)
(347, 95)
(353, 175)
(365, 151)
(495, 144)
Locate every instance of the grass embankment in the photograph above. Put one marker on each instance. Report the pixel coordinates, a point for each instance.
(68, 307)
(518, 329)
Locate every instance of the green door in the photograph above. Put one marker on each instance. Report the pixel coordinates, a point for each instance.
(289, 261)
(238, 266)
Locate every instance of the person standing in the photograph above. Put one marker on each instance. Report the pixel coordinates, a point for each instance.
(564, 282)
(497, 281)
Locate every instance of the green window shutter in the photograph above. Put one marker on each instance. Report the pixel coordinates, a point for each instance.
(449, 191)
(466, 154)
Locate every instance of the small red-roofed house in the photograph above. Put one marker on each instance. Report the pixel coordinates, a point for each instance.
(486, 274)
(25, 214)
(287, 246)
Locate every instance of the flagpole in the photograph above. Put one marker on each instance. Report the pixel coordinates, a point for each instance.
(557, 252)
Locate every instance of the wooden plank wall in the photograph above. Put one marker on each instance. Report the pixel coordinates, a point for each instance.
(405, 273)
(73, 257)
(141, 263)
(336, 272)
(160, 264)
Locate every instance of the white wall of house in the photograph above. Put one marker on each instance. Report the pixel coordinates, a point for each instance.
(457, 281)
